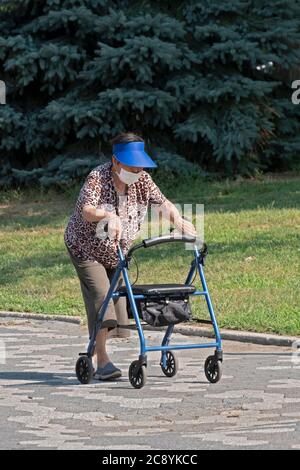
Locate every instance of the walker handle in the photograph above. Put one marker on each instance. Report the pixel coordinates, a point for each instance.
(168, 238)
(159, 240)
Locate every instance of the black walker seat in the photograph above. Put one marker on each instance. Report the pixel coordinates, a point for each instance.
(160, 290)
(157, 296)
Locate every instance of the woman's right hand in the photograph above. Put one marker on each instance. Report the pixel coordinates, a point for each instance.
(114, 226)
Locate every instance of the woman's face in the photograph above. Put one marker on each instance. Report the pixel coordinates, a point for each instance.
(118, 165)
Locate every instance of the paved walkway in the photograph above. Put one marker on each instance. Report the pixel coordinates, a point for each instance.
(256, 405)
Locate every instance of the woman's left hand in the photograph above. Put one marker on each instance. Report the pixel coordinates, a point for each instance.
(185, 227)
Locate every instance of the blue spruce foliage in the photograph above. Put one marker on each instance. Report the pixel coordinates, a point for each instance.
(205, 81)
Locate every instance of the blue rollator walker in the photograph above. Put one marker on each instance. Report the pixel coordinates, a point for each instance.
(143, 293)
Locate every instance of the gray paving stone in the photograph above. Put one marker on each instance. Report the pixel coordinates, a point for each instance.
(42, 405)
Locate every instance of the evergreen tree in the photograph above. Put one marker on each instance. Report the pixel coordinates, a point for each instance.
(241, 104)
(198, 79)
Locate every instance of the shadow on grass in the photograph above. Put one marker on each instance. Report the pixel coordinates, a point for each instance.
(170, 254)
(216, 197)
(240, 196)
(259, 243)
(10, 221)
(16, 271)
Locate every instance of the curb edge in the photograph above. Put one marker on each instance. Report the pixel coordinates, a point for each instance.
(265, 339)
(41, 316)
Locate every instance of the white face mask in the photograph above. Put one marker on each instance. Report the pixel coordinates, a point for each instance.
(128, 177)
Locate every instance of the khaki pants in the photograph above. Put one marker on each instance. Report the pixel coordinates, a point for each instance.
(95, 281)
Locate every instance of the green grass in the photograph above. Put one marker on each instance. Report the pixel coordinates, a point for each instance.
(252, 271)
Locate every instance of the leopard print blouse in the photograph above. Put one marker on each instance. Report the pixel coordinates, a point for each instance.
(82, 237)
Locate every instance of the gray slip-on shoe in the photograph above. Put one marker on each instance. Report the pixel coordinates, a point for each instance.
(110, 371)
(110, 324)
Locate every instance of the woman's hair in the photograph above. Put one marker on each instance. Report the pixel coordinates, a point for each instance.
(125, 137)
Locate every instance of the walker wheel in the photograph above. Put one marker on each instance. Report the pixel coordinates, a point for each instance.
(171, 365)
(137, 374)
(84, 369)
(213, 369)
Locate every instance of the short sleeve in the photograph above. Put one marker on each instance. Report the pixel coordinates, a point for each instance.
(91, 190)
(156, 197)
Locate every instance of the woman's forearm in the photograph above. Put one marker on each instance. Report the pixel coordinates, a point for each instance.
(172, 214)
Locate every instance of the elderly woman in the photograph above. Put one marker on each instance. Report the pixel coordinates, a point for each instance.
(95, 257)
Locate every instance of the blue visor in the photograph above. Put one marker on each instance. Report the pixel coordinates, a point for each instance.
(133, 154)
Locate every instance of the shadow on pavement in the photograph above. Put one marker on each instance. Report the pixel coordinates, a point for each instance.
(37, 378)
